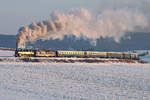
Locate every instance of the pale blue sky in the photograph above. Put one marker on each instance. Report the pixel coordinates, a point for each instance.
(17, 13)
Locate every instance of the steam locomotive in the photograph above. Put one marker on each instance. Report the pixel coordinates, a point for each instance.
(81, 54)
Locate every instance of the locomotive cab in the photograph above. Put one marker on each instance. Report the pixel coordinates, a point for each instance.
(24, 53)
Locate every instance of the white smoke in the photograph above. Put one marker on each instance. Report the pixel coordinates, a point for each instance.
(80, 23)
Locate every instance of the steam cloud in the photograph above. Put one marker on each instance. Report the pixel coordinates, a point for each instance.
(80, 23)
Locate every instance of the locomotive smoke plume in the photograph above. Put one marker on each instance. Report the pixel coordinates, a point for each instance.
(80, 23)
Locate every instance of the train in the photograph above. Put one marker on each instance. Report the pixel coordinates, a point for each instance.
(79, 54)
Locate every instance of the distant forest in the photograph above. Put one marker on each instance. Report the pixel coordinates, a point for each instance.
(137, 41)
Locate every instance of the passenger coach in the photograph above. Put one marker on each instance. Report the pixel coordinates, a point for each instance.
(81, 54)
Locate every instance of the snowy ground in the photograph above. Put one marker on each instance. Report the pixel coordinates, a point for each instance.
(6, 53)
(73, 81)
(80, 81)
(146, 58)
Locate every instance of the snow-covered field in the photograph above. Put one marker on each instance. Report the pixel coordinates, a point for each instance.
(146, 58)
(6, 53)
(78, 81)
(73, 81)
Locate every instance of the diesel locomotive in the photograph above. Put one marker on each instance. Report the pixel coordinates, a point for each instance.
(80, 54)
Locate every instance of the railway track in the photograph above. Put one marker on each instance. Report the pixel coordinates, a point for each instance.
(68, 60)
